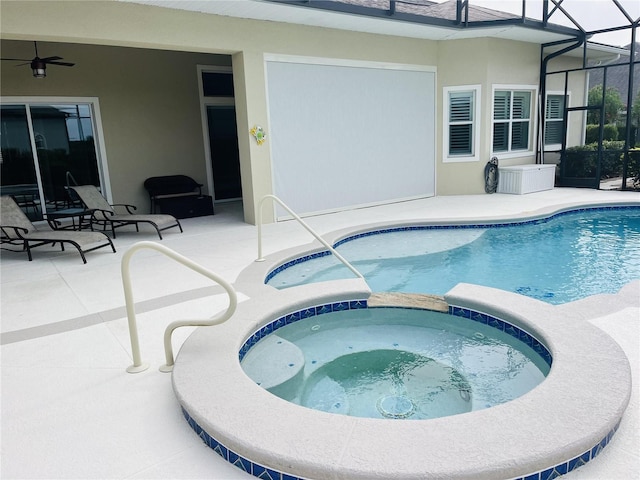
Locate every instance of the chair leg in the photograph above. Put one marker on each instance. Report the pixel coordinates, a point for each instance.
(157, 230)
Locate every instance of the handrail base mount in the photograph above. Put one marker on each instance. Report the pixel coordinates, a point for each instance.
(137, 368)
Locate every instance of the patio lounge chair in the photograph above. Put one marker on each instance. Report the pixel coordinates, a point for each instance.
(17, 229)
(105, 215)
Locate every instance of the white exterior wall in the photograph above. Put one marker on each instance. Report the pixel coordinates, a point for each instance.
(140, 138)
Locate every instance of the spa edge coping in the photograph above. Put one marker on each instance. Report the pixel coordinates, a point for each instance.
(581, 401)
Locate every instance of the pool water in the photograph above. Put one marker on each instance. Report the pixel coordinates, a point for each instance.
(558, 260)
(394, 363)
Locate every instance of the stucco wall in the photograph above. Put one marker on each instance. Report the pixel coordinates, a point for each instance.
(122, 24)
(149, 101)
(486, 62)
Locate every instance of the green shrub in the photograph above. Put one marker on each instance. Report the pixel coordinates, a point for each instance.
(581, 161)
(611, 159)
(593, 131)
(633, 167)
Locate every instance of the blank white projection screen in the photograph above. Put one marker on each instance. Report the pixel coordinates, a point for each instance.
(344, 136)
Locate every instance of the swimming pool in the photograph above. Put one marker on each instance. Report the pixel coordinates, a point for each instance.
(563, 423)
(557, 259)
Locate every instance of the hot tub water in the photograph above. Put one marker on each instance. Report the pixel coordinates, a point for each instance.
(393, 363)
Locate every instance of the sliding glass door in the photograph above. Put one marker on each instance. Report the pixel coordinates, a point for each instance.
(46, 148)
(18, 175)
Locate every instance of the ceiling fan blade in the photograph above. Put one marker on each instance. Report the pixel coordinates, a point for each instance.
(62, 64)
(16, 59)
(48, 59)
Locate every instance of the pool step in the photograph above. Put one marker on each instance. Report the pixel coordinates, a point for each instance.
(408, 300)
(274, 363)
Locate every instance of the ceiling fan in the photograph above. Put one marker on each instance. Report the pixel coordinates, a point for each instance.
(39, 65)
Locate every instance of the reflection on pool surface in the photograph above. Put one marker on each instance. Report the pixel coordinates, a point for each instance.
(394, 363)
(558, 260)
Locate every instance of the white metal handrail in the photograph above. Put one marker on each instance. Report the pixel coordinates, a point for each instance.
(138, 365)
(307, 227)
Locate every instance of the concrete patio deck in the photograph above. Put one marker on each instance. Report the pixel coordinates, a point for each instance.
(69, 409)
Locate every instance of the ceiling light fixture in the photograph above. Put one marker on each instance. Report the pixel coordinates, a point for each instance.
(39, 68)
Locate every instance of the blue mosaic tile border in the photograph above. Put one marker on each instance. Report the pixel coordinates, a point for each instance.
(312, 256)
(299, 315)
(232, 457)
(514, 223)
(483, 318)
(296, 261)
(580, 460)
(516, 332)
(265, 473)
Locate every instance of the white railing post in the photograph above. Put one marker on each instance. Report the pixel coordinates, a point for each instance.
(307, 228)
(138, 365)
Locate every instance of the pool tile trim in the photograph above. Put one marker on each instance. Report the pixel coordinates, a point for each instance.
(265, 473)
(292, 317)
(486, 319)
(506, 327)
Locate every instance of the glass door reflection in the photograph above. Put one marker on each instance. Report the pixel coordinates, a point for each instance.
(18, 176)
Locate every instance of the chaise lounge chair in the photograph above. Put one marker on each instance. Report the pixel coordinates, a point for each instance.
(104, 214)
(17, 229)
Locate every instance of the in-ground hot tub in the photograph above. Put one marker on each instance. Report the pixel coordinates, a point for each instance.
(395, 362)
(559, 425)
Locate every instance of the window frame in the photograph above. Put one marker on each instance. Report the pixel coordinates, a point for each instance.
(474, 156)
(513, 153)
(567, 100)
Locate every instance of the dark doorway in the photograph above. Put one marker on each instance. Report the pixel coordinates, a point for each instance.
(225, 160)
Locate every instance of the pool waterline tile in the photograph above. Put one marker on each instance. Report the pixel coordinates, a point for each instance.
(263, 472)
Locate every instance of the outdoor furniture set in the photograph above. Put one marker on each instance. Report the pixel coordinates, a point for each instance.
(17, 230)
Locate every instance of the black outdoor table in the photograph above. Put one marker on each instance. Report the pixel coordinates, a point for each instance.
(80, 218)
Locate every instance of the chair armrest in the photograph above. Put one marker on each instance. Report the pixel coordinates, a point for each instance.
(130, 208)
(17, 232)
(105, 213)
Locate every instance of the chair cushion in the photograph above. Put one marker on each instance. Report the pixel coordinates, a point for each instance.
(84, 238)
(171, 185)
(11, 214)
(159, 219)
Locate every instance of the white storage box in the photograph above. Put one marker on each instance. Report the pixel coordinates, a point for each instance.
(520, 179)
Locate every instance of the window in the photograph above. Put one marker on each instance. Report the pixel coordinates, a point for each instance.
(512, 120)
(554, 121)
(217, 84)
(461, 120)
